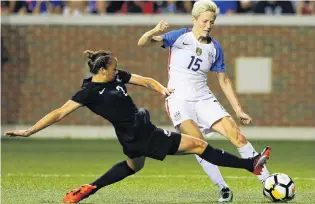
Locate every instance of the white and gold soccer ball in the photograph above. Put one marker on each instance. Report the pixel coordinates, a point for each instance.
(279, 187)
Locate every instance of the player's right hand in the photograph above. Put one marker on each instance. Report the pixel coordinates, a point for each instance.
(161, 27)
(18, 133)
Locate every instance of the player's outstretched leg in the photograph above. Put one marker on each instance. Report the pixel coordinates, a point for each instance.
(117, 173)
(228, 128)
(191, 145)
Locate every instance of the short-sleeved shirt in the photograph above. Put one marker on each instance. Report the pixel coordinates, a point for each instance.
(110, 100)
(135, 132)
(189, 63)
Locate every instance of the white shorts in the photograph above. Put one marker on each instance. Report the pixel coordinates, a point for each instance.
(204, 112)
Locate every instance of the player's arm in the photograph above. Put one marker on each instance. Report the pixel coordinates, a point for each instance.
(150, 83)
(153, 36)
(51, 118)
(227, 87)
(226, 84)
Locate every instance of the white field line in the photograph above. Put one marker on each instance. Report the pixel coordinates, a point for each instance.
(162, 176)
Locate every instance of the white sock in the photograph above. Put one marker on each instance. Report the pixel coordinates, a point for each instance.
(248, 151)
(213, 172)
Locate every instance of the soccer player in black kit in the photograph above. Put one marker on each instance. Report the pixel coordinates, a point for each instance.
(106, 95)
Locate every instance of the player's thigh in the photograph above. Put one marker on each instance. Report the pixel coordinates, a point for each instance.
(209, 112)
(179, 110)
(136, 164)
(191, 145)
(189, 127)
(163, 142)
(159, 143)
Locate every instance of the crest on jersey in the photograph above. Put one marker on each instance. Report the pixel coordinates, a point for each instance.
(198, 51)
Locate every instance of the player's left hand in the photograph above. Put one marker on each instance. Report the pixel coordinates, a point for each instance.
(167, 91)
(18, 133)
(244, 118)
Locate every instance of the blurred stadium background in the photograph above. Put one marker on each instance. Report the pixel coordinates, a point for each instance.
(269, 53)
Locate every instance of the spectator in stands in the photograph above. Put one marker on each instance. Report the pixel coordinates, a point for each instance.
(148, 7)
(305, 8)
(15, 7)
(74, 8)
(274, 7)
(184, 6)
(104, 7)
(173, 6)
(188, 6)
(46, 7)
(227, 7)
(134, 6)
(164, 7)
(97, 7)
(145, 7)
(245, 6)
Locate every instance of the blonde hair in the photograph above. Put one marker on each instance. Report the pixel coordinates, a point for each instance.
(203, 6)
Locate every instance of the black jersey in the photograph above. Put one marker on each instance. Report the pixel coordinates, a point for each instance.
(110, 100)
(135, 132)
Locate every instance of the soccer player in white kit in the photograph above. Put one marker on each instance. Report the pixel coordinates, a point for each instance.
(192, 107)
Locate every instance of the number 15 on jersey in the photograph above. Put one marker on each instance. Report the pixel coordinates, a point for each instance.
(194, 63)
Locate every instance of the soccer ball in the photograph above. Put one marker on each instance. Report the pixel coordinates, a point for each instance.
(279, 187)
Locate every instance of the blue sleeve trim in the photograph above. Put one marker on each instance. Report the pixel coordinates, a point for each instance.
(170, 38)
(218, 65)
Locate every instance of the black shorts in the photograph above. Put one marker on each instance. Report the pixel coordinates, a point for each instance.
(148, 140)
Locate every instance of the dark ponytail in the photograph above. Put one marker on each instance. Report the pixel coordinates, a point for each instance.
(98, 59)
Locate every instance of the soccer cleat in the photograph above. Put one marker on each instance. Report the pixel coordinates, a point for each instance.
(78, 194)
(226, 195)
(260, 160)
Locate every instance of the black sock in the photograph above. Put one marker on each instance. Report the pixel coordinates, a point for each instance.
(222, 158)
(113, 175)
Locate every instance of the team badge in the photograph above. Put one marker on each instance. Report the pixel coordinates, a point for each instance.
(198, 51)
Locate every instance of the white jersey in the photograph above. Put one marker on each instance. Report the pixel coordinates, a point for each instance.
(189, 63)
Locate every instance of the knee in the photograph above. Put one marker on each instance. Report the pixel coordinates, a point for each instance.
(200, 146)
(136, 164)
(240, 140)
(139, 165)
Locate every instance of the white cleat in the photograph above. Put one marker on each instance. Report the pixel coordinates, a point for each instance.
(226, 195)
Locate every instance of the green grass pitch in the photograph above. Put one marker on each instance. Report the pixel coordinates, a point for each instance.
(42, 171)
